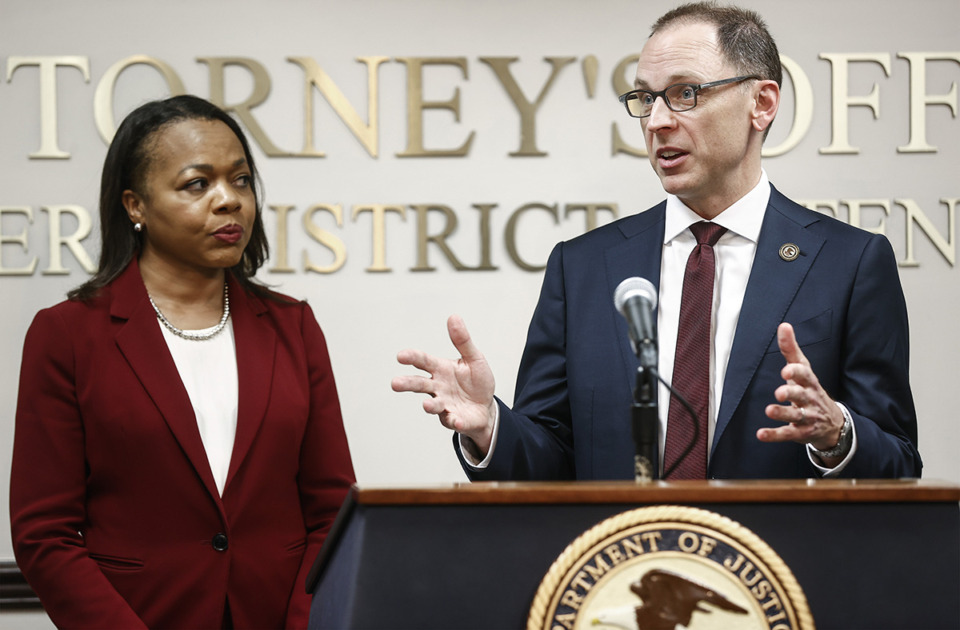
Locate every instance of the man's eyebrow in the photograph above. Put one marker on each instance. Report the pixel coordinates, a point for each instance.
(639, 84)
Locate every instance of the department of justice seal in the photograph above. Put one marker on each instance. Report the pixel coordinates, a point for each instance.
(656, 567)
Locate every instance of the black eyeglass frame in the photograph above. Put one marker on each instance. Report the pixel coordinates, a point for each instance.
(623, 98)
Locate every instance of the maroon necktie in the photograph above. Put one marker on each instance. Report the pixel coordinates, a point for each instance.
(691, 366)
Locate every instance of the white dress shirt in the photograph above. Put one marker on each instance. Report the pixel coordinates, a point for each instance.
(733, 254)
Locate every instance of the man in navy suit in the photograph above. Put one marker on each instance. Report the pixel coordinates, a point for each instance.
(808, 359)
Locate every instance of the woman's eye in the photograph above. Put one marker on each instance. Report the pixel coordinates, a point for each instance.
(196, 184)
(244, 180)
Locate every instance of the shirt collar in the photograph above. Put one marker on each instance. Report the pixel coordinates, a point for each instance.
(744, 217)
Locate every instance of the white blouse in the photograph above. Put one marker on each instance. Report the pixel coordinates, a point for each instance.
(208, 370)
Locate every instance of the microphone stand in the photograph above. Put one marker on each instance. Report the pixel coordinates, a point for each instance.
(645, 416)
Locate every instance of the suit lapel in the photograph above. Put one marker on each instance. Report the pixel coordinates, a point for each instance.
(142, 344)
(256, 350)
(638, 255)
(773, 284)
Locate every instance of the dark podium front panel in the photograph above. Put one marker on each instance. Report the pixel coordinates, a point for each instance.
(867, 554)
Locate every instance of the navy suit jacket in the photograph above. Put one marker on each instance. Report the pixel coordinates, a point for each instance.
(571, 415)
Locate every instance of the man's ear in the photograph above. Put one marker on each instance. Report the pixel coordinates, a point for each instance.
(766, 102)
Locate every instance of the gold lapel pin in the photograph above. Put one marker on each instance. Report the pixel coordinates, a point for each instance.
(789, 252)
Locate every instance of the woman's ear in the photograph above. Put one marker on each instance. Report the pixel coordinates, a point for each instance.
(133, 204)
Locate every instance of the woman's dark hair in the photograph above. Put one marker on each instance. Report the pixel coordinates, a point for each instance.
(125, 168)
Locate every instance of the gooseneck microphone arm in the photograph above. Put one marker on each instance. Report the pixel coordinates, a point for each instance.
(636, 300)
(645, 425)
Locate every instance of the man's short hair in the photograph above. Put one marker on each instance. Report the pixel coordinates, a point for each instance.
(743, 36)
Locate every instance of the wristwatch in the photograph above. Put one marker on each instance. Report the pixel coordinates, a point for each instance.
(843, 444)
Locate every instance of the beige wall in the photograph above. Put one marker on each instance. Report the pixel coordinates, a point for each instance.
(891, 166)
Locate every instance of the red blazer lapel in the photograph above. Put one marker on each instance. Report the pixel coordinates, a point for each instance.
(142, 344)
(256, 349)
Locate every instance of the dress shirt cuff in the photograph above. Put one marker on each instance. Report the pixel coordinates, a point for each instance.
(828, 473)
(467, 452)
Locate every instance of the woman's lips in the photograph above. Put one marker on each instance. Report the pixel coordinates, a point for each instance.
(229, 234)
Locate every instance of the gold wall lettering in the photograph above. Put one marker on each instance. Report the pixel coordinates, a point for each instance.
(915, 218)
(416, 105)
(71, 241)
(49, 147)
(261, 89)
(367, 132)
(325, 238)
(21, 239)
(526, 109)
(316, 77)
(106, 88)
(842, 101)
(919, 99)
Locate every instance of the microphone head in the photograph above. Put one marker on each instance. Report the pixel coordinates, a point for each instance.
(634, 287)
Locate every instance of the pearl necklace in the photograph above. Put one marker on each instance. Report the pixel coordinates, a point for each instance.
(195, 336)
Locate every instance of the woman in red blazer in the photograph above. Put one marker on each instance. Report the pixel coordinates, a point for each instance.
(179, 453)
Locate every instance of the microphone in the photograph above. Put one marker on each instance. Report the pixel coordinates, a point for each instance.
(636, 298)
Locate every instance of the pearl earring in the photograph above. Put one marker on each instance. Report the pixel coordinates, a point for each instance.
(137, 227)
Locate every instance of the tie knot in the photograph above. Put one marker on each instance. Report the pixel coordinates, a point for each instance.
(707, 233)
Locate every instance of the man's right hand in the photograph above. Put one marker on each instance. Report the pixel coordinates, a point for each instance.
(461, 391)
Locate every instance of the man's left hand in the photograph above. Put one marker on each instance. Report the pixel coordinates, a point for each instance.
(811, 417)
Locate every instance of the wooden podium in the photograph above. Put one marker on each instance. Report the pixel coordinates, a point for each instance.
(867, 554)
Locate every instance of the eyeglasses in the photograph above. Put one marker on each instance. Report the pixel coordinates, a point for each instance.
(679, 97)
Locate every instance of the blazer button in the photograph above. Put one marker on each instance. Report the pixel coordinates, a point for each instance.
(220, 542)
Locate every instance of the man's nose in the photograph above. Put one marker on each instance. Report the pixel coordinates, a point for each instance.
(660, 115)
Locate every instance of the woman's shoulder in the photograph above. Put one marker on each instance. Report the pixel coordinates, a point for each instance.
(268, 299)
(58, 327)
(284, 309)
(73, 309)
(282, 299)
